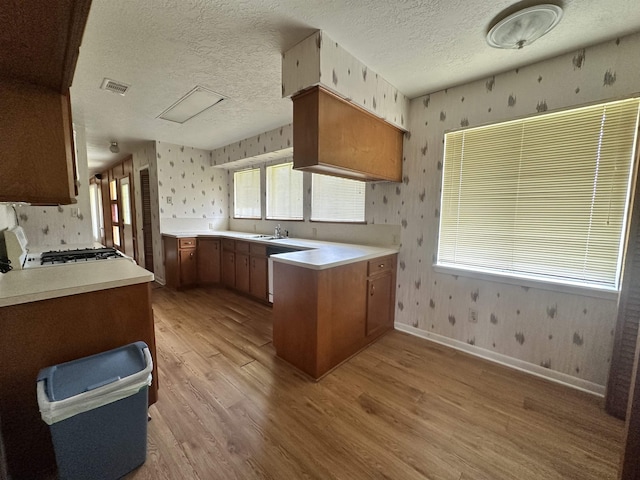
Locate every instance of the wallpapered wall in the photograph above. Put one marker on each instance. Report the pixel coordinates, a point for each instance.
(197, 192)
(276, 143)
(570, 334)
(320, 60)
(64, 224)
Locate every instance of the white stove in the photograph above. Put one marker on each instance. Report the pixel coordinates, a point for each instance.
(21, 257)
(65, 257)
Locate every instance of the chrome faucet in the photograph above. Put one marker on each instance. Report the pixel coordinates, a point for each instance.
(278, 232)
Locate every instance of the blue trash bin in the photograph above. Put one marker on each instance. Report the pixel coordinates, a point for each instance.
(96, 409)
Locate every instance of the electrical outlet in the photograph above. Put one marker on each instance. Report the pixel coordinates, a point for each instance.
(255, 227)
(314, 232)
(473, 315)
(74, 212)
(395, 240)
(212, 226)
(169, 200)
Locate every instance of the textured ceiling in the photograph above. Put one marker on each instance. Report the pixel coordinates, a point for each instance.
(163, 48)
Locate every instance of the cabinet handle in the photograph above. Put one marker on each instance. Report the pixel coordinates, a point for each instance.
(381, 265)
(191, 254)
(373, 289)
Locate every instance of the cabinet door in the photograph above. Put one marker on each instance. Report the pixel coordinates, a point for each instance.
(35, 125)
(242, 272)
(379, 305)
(171, 265)
(229, 268)
(188, 267)
(208, 261)
(259, 277)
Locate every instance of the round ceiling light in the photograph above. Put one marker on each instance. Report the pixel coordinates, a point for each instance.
(114, 148)
(524, 26)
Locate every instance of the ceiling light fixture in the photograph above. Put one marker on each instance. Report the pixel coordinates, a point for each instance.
(193, 103)
(114, 148)
(524, 27)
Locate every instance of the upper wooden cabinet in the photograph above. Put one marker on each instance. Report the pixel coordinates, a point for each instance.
(39, 46)
(40, 40)
(38, 157)
(335, 137)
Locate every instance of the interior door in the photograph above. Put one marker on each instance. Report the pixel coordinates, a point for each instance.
(127, 244)
(147, 230)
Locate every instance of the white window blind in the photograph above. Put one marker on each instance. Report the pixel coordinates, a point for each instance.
(543, 198)
(246, 194)
(336, 199)
(284, 192)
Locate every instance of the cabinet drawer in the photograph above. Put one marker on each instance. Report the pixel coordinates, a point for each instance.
(381, 264)
(228, 244)
(242, 246)
(186, 243)
(258, 249)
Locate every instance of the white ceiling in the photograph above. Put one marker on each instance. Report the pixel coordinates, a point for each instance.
(163, 48)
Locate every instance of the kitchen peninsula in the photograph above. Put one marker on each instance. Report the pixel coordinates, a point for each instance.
(330, 300)
(55, 314)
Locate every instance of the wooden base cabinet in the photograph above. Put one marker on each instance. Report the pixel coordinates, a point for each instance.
(244, 267)
(380, 295)
(323, 317)
(209, 261)
(180, 262)
(49, 332)
(258, 271)
(243, 272)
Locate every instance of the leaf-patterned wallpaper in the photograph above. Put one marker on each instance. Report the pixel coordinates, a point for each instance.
(267, 146)
(195, 188)
(567, 333)
(320, 60)
(187, 188)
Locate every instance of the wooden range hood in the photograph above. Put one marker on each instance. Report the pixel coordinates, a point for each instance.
(333, 136)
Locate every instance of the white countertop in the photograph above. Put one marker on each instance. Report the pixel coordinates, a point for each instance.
(314, 254)
(30, 285)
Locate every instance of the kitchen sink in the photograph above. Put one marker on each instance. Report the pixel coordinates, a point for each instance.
(265, 237)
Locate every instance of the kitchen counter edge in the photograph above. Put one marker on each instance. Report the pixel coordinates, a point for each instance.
(314, 254)
(35, 284)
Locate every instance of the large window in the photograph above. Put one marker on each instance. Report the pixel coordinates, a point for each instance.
(335, 199)
(542, 198)
(284, 192)
(246, 194)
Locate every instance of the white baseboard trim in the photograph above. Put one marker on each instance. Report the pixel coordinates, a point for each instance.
(507, 361)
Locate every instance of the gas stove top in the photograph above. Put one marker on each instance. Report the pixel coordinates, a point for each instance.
(63, 257)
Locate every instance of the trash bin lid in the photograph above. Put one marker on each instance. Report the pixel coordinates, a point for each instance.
(84, 374)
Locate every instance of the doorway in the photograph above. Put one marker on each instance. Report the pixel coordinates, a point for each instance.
(147, 231)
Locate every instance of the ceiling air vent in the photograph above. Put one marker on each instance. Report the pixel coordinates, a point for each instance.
(114, 86)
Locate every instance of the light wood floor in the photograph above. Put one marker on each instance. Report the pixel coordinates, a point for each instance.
(402, 409)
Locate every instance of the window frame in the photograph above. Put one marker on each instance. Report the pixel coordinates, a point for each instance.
(282, 218)
(342, 222)
(540, 280)
(235, 216)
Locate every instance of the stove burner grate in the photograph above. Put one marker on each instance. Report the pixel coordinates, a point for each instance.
(78, 255)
